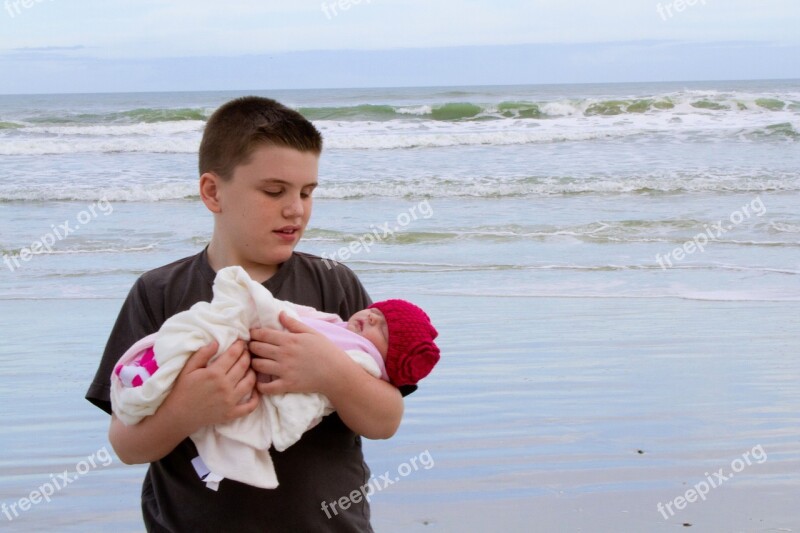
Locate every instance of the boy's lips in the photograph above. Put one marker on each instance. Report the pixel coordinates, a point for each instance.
(288, 233)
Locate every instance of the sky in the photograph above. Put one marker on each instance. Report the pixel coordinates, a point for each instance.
(54, 46)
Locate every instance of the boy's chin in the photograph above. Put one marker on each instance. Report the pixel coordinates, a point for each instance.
(277, 257)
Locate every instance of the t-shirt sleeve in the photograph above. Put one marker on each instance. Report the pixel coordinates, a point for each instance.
(135, 321)
(355, 297)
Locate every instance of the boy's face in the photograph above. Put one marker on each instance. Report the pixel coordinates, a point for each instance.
(264, 208)
(371, 324)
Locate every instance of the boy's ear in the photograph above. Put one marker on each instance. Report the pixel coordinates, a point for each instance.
(209, 191)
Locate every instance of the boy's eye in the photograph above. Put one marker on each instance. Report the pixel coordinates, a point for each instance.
(274, 193)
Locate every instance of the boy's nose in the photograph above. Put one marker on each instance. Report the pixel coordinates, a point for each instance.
(294, 208)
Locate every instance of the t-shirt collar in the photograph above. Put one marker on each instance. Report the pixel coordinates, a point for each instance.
(275, 281)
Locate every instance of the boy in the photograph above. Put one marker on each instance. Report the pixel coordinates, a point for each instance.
(258, 165)
(391, 340)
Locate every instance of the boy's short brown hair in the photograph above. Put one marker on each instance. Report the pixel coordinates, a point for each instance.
(237, 128)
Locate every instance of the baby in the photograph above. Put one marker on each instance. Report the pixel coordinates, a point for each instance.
(398, 334)
(409, 357)
(392, 340)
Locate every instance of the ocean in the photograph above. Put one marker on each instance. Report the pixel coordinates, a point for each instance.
(613, 270)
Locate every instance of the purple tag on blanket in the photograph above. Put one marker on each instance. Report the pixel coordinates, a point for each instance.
(200, 467)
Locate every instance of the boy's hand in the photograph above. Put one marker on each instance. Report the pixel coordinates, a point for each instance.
(300, 359)
(222, 391)
(304, 360)
(201, 397)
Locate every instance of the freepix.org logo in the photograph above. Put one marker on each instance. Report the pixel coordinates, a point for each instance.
(713, 232)
(376, 484)
(378, 234)
(15, 7)
(56, 483)
(57, 233)
(713, 480)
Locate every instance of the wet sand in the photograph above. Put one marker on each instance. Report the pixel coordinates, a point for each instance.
(533, 421)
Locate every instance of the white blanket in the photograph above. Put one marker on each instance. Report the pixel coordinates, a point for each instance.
(239, 449)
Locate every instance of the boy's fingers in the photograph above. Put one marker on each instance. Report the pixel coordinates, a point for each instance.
(240, 368)
(246, 408)
(265, 366)
(229, 357)
(273, 387)
(276, 336)
(266, 335)
(201, 357)
(259, 350)
(293, 325)
(247, 383)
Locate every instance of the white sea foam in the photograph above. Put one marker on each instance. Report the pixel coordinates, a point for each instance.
(559, 192)
(102, 249)
(157, 129)
(575, 290)
(566, 122)
(560, 109)
(419, 110)
(114, 193)
(784, 227)
(103, 144)
(120, 187)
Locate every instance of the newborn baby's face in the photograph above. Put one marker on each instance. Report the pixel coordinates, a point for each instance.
(371, 324)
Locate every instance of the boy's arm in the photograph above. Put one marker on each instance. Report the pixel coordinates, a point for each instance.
(367, 405)
(202, 395)
(304, 360)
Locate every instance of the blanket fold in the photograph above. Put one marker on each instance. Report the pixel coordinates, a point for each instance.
(239, 449)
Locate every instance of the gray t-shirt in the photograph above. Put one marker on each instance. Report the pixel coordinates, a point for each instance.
(324, 465)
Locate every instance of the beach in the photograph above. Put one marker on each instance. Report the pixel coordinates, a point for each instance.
(598, 426)
(550, 439)
(613, 271)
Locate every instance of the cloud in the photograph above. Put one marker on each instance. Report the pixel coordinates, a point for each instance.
(640, 61)
(48, 48)
(154, 28)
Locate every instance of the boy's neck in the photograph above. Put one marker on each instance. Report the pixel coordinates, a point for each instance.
(220, 257)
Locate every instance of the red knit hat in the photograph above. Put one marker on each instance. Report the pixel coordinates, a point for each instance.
(412, 354)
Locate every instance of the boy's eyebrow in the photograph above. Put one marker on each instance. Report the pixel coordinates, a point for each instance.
(284, 182)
